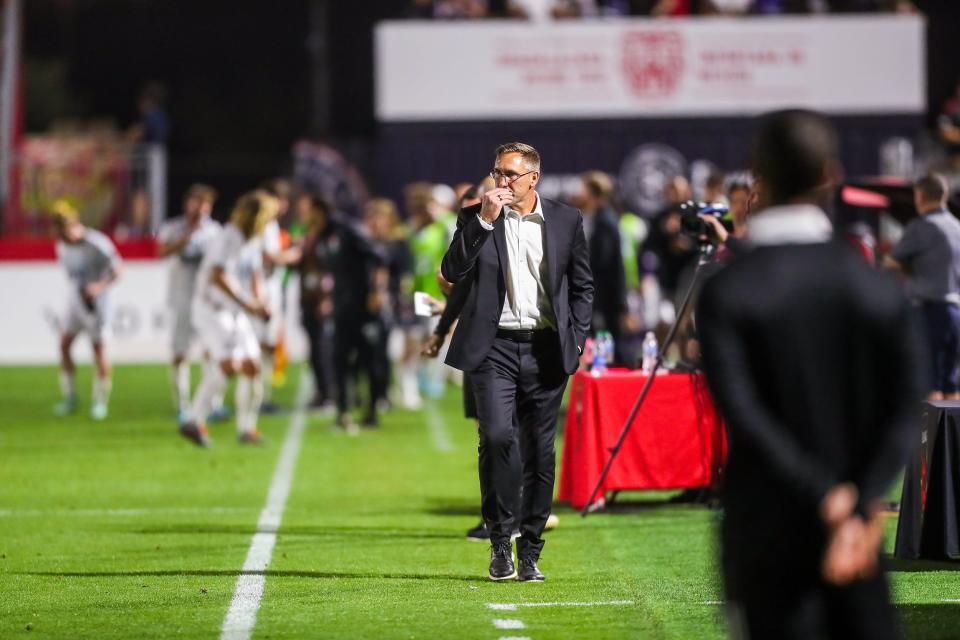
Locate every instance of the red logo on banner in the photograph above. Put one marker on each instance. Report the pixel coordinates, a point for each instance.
(653, 61)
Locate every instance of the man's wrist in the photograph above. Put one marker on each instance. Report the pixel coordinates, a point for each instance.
(483, 223)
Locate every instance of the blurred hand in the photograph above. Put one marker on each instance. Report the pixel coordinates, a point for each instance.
(493, 202)
(852, 542)
(718, 229)
(838, 504)
(431, 348)
(92, 290)
(445, 286)
(630, 322)
(436, 306)
(257, 308)
(374, 301)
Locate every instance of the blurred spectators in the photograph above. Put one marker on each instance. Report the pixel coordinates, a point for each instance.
(948, 125)
(565, 9)
(153, 126)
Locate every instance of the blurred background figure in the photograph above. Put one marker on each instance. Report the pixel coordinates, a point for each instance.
(383, 224)
(602, 231)
(277, 255)
(93, 265)
(316, 296)
(929, 252)
(185, 239)
(812, 359)
(229, 293)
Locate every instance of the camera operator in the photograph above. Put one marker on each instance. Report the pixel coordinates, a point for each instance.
(730, 236)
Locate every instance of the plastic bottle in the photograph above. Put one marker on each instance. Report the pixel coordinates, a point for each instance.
(650, 351)
(599, 362)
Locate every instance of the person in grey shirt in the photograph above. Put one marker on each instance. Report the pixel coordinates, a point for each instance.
(929, 252)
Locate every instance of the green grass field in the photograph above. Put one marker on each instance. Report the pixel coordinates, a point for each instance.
(121, 529)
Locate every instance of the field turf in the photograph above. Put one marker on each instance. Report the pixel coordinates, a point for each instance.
(121, 529)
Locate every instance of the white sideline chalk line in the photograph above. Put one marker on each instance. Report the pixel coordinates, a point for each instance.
(513, 638)
(242, 614)
(438, 429)
(512, 606)
(500, 623)
(951, 600)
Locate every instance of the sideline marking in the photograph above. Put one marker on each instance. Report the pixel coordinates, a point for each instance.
(513, 638)
(438, 428)
(512, 606)
(242, 615)
(509, 624)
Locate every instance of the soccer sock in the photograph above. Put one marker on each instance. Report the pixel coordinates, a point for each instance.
(101, 389)
(242, 399)
(216, 402)
(267, 386)
(67, 386)
(212, 385)
(180, 378)
(257, 384)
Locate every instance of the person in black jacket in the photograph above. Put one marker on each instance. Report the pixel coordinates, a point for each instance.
(812, 359)
(602, 229)
(519, 337)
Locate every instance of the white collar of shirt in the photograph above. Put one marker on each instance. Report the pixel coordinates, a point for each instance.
(789, 224)
(537, 209)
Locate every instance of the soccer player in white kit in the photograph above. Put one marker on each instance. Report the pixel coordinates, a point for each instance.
(222, 309)
(184, 240)
(92, 265)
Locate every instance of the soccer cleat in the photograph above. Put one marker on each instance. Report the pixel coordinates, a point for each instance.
(252, 437)
(529, 571)
(346, 422)
(196, 434)
(65, 407)
(269, 409)
(99, 411)
(501, 561)
(370, 420)
(552, 522)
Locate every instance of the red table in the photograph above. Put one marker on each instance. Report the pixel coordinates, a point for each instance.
(676, 441)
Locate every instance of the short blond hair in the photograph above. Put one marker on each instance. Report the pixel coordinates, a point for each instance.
(62, 212)
(531, 157)
(253, 211)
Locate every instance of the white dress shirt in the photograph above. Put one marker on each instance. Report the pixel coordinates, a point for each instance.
(527, 304)
(789, 224)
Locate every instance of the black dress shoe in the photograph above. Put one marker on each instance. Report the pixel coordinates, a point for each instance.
(529, 571)
(501, 561)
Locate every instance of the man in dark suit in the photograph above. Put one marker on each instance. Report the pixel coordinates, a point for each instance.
(812, 359)
(601, 226)
(520, 335)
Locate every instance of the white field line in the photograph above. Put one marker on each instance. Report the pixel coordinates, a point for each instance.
(715, 602)
(951, 600)
(438, 428)
(242, 615)
(509, 624)
(513, 638)
(513, 606)
(99, 513)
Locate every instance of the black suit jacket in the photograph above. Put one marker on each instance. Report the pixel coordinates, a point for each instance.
(606, 263)
(481, 255)
(812, 358)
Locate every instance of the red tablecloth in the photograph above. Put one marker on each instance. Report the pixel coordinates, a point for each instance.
(676, 440)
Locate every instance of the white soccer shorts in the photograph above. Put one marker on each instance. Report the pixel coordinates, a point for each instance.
(226, 334)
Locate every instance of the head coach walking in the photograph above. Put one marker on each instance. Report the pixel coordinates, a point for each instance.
(812, 358)
(520, 335)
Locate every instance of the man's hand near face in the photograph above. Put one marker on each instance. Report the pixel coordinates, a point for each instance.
(493, 202)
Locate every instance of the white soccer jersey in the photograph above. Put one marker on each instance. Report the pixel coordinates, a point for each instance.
(185, 264)
(237, 256)
(88, 260)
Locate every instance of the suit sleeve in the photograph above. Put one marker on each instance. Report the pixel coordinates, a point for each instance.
(894, 436)
(467, 242)
(455, 302)
(748, 420)
(580, 280)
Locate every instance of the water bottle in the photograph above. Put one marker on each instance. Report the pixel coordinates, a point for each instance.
(608, 347)
(599, 364)
(650, 349)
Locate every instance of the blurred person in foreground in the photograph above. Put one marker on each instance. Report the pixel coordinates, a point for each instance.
(184, 240)
(520, 336)
(93, 265)
(229, 293)
(813, 361)
(929, 252)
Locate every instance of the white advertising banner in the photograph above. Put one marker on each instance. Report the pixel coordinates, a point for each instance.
(634, 68)
(36, 299)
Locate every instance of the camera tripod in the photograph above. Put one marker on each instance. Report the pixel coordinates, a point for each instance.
(707, 251)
